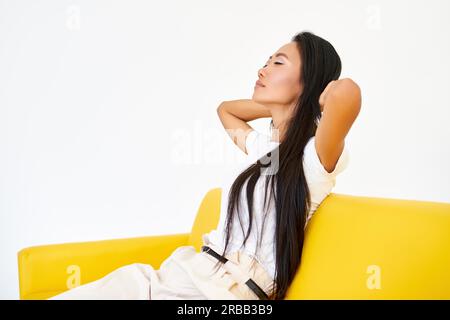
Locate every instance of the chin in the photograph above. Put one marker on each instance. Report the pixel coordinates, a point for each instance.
(259, 100)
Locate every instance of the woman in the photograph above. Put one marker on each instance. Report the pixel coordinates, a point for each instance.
(299, 162)
(297, 88)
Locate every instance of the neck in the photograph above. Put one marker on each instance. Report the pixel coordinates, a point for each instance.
(280, 116)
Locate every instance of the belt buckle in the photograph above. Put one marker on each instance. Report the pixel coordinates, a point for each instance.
(205, 248)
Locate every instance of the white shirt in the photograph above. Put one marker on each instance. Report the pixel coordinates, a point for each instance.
(320, 183)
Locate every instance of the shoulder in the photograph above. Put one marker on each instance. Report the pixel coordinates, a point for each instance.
(257, 144)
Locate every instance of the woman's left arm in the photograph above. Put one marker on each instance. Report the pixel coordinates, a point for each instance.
(340, 103)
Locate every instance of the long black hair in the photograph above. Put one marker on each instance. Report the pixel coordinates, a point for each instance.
(289, 189)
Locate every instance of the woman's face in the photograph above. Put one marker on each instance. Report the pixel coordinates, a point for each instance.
(281, 78)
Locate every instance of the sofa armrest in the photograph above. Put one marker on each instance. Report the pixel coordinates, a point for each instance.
(47, 270)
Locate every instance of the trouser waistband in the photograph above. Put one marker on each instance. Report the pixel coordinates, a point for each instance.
(250, 283)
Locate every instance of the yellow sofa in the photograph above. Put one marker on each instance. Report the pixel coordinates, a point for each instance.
(355, 248)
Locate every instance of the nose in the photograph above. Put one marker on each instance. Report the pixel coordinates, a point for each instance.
(260, 72)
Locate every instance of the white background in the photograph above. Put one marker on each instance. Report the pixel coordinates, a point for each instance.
(108, 124)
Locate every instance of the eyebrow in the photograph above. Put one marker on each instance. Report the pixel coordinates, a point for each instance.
(280, 54)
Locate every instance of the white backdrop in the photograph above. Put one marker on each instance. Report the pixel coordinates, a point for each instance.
(108, 124)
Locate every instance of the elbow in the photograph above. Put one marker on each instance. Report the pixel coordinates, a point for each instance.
(358, 98)
(221, 107)
(352, 92)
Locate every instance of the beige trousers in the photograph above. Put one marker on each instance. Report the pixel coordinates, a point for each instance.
(185, 275)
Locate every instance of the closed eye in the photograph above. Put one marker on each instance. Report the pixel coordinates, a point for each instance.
(274, 63)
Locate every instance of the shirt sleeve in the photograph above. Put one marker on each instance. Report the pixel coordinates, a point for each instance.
(250, 141)
(312, 160)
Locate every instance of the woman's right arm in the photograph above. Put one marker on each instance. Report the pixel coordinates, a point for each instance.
(234, 116)
(245, 109)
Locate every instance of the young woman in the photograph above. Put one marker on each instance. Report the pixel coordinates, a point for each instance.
(255, 251)
(312, 112)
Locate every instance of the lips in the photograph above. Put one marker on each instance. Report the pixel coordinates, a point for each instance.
(259, 83)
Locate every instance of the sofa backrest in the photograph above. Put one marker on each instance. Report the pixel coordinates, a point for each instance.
(375, 248)
(207, 217)
(364, 248)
